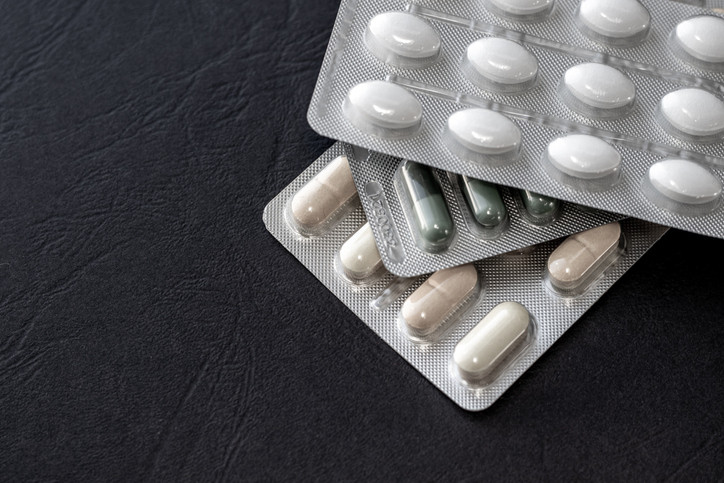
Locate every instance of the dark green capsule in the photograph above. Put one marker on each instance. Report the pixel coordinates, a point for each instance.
(539, 206)
(429, 211)
(484, 201)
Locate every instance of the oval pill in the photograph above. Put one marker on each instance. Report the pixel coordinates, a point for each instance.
(502, 61)
(484, 201)
(359, 256)
(537, 205)
(702, 37)
(400, 34)
(384, 105)
(429, 210)
(496, 337)
(684, 181)
(316, 202)
(522, 7)
(694, 111)
(484, 131)
(583, 156)
(576, 259)
(599, 86)
(436, 299)
(616, 19)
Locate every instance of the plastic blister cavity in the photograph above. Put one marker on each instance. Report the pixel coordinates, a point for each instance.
(693, 115)
(358, 261)
(583, 162)
(520, 10)
(597, 91)
(500, 65)
(684, 187)
(699, 41)
(621, 23)
(483, 136)
(482, 206)
(383, 109)
(538, 209)
(403, 40)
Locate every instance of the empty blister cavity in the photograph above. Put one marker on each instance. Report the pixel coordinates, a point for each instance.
(483, 208)
(520, 10)
(383, 109)
(445, 297)
(619, 23)
(483, 136)
(582, 259)
(538, 209)
(358, 259)
(597, 91)
(425, 208)
(500, 65)
(403, 40)
(700, 42)
(324, 200)
(583, 162)
(493, 345)
(682, 187)
(692, 115)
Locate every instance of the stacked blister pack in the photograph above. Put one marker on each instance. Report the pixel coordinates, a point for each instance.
(499, 165)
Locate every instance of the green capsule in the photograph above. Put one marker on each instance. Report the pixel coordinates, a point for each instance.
(429, 212)
(484, 201)
(540, 208)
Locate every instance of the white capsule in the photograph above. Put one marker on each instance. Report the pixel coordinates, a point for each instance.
(359, 256)
(502, 61)
(599, 86)
(522, 7)
(615, 19)
(702, 37)
(583, 156)
(684, 181)
(402, 38)
(383, 105)
(484, 131)
(694, 111)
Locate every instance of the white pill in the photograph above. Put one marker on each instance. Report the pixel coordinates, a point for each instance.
(502, 61)
(599, 86)
(487, 345)
(383, 104)
(359, 255)
(402, 34)
(694, 111)
(583, 156)
(484, 131)
(684, 181)
(616, 19)
(522, 7)
(702, 38)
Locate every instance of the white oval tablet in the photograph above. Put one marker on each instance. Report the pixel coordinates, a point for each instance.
(402, 34)
(684, 181)
(384, 105)
(484, 131)
(694, 111)
(702, 38)
(522, 7)
(614, 18)
(502, 61)
(600, 86)
(583, 156)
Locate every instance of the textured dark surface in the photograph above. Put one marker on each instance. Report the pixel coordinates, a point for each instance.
(150, 328)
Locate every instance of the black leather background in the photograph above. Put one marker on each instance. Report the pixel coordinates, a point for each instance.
(150, 327)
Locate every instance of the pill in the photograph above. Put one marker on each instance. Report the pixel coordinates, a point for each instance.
(694, 111)
(702, 37)
(599, 86)
(684, 181)
(484, 201)
(502, 61)
(393, 35)
(539, 206)
(577, 259)
(383, 105)
(496, 337)
(617, 19)
(359, 256)
(316, 203)
(484, 131)
(429, 211)
(439, 297)
(522, 7)
(583, 156)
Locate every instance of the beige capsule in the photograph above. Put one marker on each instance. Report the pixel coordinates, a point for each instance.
(315, 203)
(578, 258)
(441, 294)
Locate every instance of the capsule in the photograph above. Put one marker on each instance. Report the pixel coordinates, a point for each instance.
(539, 208)
(484, 201)
(402, 39)
(693, 112)
(359, 256)
(382, 107)
(316, 203)
(483, 352)
(439, 297)
(581, 257)
(430, 216)
(684, 181)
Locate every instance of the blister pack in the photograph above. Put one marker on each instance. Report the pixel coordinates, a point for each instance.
(425, 219)
(612, 105)
(471, 330)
